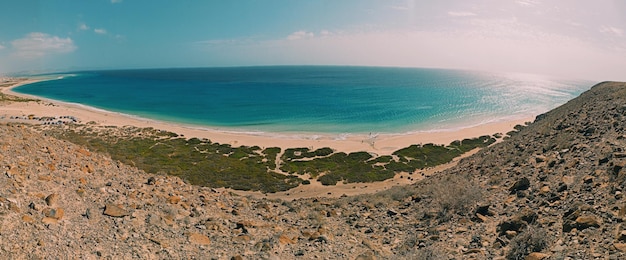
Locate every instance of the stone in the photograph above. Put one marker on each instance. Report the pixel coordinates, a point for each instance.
(84, 152)
(199, 239)
(584, 222)
(510, 234)
(13, 206)
(56, 213)
(173, 199)
(481, 218)
(44, 178)
(88, 168)
(620, 247)
(115, 211)
(242, 238)
(521, 184)
(621, 236)
(284, 240)
(568, 180)
(366, 256)
(28, 219)
(49, 221)
(52, 199)
(536, 256)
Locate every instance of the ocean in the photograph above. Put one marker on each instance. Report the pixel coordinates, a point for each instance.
(313, 99)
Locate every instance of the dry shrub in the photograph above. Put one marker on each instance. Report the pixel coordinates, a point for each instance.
(453, 194)
(531, 240)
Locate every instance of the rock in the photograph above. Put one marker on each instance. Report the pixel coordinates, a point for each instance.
(52, 199)
(366, 256)
(540, 159)
(28, 219)
(536, 256)
(584, 222)
(199, 239)
(284, 240)
(521, 184)
(517, 222)
(88, 168)
(620, 247)
(621, 236)
(568, 180)
(151, 181)
(481, 218)
(242, 238)
(510, 234)
(173, 199)
(56, 213)
(115, 211)
(49, 221)
(84, 152)
(13, 206)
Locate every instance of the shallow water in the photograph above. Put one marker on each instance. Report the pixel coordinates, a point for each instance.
(314, 99)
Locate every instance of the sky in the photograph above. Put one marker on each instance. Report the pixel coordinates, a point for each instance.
(575, 39)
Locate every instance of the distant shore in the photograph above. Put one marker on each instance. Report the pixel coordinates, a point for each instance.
(381, 144)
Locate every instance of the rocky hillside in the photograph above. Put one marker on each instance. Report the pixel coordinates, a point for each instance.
(554, 190)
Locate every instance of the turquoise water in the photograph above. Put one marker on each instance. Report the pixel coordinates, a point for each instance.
(315, 99)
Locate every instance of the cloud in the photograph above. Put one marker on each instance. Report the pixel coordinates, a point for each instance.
(614, 31)
(36, 45)
(100, 31)
(83, 27)
(461, 14)
(528, 3)
(491, 45)
(400, 7)
(2, 47)
(116, 1)
(299, 35)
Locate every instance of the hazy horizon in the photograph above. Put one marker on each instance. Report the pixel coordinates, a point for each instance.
(567, 39)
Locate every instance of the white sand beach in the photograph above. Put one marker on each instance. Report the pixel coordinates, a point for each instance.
(381, 144)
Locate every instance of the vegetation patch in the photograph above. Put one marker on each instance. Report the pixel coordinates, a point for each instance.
(11, 98)
(202, 162)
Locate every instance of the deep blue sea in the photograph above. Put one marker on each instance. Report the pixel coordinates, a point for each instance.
(313, 99)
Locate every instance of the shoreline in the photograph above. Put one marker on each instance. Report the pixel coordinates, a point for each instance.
(380, 144)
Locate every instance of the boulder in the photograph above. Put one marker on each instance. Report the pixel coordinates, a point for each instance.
(112, 210)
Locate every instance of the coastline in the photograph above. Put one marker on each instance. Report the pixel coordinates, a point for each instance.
(383, 144)
(380, 144)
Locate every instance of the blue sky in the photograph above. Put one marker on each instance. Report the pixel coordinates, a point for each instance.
(566, 38)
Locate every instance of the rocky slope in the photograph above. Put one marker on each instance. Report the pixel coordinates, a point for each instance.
(552, 191)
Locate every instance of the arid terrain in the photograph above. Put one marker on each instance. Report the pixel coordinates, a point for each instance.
(554, 190)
